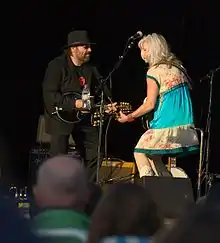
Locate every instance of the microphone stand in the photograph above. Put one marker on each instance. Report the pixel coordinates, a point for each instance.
(103, 82)
(210, 76)
(208, 132)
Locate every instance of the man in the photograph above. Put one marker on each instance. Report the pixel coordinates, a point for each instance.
(66, 73)
(61, 192)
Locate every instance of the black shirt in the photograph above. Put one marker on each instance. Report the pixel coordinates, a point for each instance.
(62, 77)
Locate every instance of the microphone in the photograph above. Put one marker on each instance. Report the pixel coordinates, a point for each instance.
(137, 35)
(209, 75)
(206, 77)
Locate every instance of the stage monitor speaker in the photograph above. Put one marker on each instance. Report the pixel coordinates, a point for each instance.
(115, 170)
(172, 195)
(37, 156)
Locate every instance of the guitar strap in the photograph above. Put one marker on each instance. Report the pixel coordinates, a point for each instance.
(181, 68)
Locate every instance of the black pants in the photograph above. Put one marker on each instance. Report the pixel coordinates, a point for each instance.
(86, 139)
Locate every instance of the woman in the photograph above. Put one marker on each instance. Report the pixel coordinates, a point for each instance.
(126, 210)
(168, 96)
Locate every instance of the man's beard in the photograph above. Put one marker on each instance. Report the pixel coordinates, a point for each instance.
(86, 58)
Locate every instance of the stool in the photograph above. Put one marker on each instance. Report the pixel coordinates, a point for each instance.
(171, 163)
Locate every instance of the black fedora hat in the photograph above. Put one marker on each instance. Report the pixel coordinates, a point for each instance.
(78, 38)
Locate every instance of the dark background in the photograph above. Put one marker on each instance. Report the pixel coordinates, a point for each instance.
(33, 33)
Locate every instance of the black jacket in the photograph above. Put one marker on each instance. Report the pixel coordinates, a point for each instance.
(62, 77)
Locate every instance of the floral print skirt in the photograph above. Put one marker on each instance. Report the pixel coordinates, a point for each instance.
(177, 141)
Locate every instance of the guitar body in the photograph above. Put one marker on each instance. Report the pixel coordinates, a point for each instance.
(75, 116)
(70, 117)
(67, 116)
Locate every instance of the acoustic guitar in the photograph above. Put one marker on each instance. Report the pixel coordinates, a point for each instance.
(76, 115)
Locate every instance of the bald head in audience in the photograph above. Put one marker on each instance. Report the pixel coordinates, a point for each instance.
(61, 182)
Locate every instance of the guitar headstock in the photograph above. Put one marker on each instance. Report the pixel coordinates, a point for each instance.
(124, 107)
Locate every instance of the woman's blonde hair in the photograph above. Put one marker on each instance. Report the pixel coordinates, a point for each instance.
(158, 50)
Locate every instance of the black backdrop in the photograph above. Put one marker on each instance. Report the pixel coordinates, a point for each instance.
(33, 32)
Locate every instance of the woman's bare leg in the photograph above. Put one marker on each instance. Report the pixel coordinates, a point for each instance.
(143, 164)
(148, 166)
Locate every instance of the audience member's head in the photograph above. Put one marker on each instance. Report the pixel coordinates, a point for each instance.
(201, 224)
(95, 194)
(61, 182)
(125, 210)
